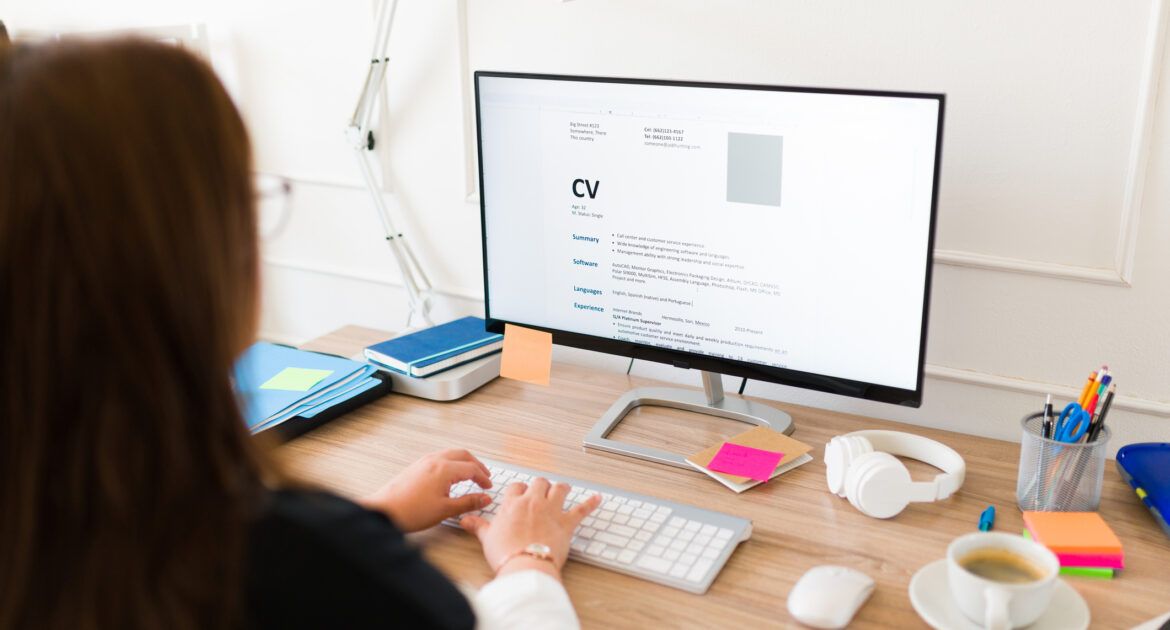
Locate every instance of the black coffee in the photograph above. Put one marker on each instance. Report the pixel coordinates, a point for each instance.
(1001, 565)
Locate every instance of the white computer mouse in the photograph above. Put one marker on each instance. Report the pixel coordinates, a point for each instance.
(828, 596)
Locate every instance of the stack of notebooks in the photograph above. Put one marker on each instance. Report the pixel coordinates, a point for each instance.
(1085, 545)
(751, 458)
(292, 390)
(436, 349)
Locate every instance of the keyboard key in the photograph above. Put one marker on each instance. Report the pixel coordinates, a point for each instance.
(708, 530)
(698, 571)
(622, 530)
(635, 545)
(693, 526)
(670, 532)
(608, 538)
(678, 571)
(657, 517)
(678, 544)
(609, 554)
(650, 563)
(627, 556)
(625, 509)
(655, 550)
(606, 515)
(662, 509)
(723, 533)
(636, 522)
(687, 536)
(621, 519)
(579, 545)
(709, 553)
(695, 548)
(687, 559)
(702, 540)
(600, 525)
(610, 505)
(678, 521)
(634, 503)
(595, 548)
(671, 554)
(642, 513)
(651, 527)
(587, 521)
(662, 540)
(587, 532)
(643, 536)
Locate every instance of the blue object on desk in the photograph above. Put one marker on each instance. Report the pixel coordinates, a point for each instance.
(987, 519)
(438, 348)
(1146, 467)
(1072, 424)
(267, 408)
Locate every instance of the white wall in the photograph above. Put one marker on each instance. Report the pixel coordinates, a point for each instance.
(1054, 214)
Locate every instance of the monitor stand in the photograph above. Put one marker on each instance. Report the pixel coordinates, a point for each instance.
(711, 402)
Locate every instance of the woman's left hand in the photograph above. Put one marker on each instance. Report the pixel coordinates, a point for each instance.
(419, 498)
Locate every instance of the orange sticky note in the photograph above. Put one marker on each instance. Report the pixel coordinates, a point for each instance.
(1073, 532)
(527, 355)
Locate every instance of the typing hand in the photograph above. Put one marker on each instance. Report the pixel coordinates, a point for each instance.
(418, 498)
(529, 514)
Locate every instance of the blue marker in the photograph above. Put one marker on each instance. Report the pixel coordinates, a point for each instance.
(987, 519)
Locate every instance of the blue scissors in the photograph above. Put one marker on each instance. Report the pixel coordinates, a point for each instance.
(1072, 424)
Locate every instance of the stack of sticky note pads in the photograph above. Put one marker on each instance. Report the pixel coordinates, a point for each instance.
(751, 458)
(277, 384)
(1082, 541)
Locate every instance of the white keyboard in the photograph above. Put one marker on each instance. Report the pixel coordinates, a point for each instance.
(654, 539)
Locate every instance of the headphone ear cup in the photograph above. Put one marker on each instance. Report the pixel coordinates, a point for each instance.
(840, 454)
(878, 485)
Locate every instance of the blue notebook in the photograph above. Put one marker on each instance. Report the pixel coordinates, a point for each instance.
(437, 348)
(275, 383)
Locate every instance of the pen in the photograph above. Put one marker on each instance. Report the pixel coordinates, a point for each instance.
(1101, 418)
(1046, 427)
(987, 519)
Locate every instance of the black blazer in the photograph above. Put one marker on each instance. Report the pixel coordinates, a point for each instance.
(316, 560)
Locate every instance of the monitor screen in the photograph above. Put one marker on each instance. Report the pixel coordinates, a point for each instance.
(775, 233)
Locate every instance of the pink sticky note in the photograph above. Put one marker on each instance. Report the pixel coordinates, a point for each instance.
(745, 461)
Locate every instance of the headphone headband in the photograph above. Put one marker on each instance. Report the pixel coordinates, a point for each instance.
(926, 450)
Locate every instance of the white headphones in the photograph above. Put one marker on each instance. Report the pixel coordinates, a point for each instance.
(861, 467)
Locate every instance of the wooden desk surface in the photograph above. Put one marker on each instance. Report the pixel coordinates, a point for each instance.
(798, 524)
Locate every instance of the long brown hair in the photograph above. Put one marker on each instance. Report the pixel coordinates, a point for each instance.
(128, 282)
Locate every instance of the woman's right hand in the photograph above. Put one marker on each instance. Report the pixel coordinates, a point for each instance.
(530, 513)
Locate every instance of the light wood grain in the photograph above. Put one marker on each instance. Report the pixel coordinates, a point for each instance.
(798, 524)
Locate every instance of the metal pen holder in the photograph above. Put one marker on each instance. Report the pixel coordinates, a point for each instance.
(1059, 476)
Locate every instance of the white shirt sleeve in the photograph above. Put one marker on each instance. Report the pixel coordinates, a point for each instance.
(525, 599)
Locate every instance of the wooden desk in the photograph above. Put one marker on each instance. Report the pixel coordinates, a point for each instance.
(797, 523)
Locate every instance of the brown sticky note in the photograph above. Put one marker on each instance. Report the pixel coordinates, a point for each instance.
(527, 355)
(761, 438)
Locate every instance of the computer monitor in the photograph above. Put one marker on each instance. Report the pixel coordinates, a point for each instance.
(781, 234)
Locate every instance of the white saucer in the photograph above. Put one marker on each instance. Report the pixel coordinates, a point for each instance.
(931, 597)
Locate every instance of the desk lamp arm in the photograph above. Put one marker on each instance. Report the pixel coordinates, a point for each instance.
(360, 134)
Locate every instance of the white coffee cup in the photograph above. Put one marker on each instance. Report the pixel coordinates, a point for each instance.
(1000, 605)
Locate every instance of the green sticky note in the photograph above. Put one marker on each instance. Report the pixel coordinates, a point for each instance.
(294, 379)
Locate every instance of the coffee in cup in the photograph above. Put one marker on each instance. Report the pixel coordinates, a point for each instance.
(1001, 565)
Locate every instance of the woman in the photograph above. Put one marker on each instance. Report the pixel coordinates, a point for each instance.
(131, 496)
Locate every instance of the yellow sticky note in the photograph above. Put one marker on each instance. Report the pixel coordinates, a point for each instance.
(293, 379)
(527, 355)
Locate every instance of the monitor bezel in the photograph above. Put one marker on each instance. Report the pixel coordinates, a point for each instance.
(690, 360)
